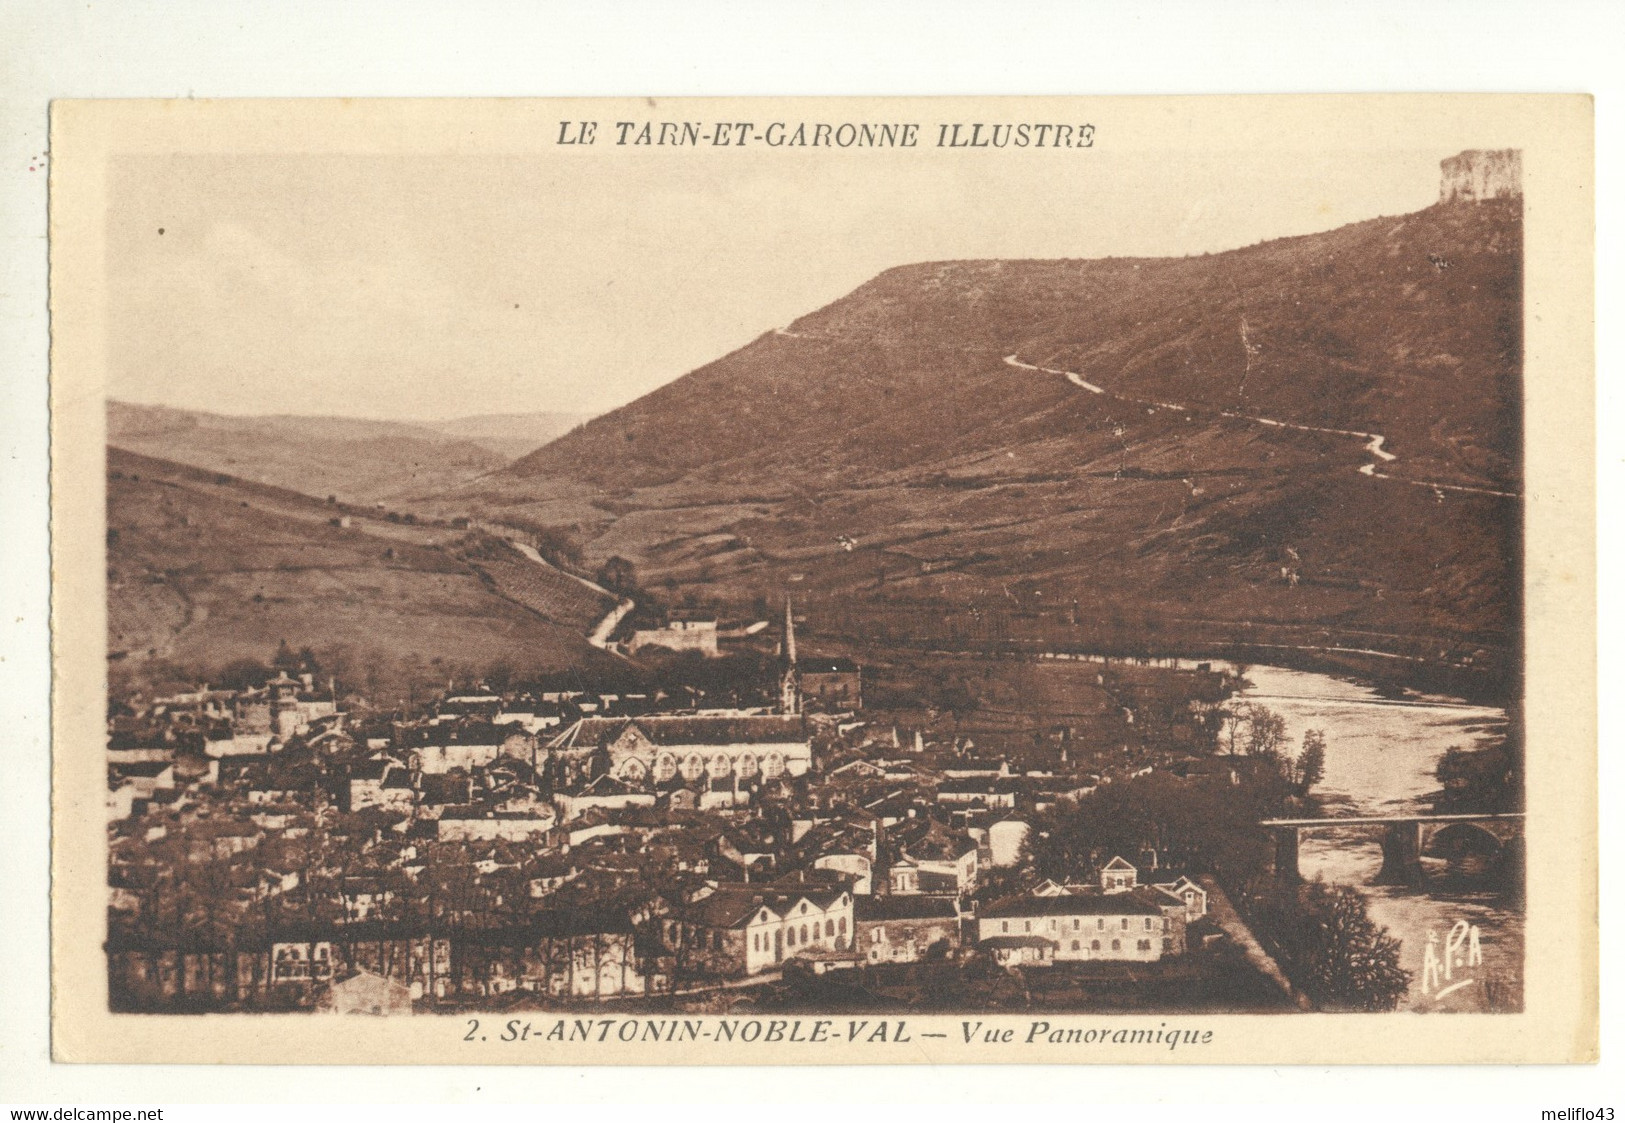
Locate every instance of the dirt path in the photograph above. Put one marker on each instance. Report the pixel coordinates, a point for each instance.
(606, 627)
(1374, 442)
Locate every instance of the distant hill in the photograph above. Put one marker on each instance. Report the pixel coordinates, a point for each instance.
(204, 569)
(357, 460)
(510, 435)
(897, 449)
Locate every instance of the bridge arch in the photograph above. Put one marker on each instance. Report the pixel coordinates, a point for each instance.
(1460, 841)
(1488, 844)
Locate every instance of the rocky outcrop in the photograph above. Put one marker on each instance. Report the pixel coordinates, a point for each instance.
(1478, 174)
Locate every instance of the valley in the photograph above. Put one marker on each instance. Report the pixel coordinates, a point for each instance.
(987, 639)
(1304, 450)
(1316, 435)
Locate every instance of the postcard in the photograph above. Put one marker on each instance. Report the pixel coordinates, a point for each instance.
(811, 581)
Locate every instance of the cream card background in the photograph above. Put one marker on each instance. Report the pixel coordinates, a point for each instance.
(55, 49)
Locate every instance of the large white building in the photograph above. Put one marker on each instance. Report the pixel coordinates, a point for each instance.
(466, 824)
(1121, 919)
(1005, 839)
(682, 633)
(670, 750)
(1116, 926)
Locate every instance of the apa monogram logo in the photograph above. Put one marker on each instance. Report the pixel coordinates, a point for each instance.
(1462, 952)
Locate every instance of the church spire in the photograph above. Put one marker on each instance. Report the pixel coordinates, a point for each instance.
(790, 685)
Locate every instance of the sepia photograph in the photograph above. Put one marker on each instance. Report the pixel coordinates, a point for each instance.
(821, 575)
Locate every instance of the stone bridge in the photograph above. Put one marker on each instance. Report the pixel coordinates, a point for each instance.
(1405, 838)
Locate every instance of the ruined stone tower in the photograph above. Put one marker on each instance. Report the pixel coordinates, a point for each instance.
(1479, 174)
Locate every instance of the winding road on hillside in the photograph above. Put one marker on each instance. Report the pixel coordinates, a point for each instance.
(1373, 441)
(599, 636)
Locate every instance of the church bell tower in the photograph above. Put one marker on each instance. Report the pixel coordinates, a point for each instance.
(790, 684)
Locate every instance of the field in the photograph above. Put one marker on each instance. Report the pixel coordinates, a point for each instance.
(204, 570)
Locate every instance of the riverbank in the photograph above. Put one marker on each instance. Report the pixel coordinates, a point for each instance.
(1479, 672)
(1381, 757)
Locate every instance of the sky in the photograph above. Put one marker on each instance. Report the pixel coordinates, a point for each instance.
(428, 287)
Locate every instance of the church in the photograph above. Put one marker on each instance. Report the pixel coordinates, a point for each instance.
(726, 752)
(657, 751)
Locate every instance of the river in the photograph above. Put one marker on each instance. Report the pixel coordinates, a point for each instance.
(1380, 757)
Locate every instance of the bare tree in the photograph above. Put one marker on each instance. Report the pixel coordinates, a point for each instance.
(1233, 724)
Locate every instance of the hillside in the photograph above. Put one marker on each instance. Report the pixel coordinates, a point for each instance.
(359, 461)
(1136, 437)
(204, 569)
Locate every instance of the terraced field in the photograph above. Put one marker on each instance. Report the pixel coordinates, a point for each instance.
(203, 570)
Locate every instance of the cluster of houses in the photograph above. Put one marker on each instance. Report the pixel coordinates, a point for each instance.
(270, 848)
(655, 943)
(220, 722)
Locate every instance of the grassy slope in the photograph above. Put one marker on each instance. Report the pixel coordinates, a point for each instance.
(1354, 328)
(203, 570)
(891, 418)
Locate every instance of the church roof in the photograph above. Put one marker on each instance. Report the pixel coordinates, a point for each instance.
(731, 906)
(687, 729)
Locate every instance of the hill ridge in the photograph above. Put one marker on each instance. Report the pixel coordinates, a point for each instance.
(356, 459)
(891, 415)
